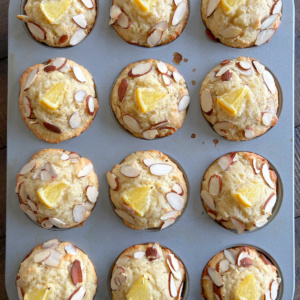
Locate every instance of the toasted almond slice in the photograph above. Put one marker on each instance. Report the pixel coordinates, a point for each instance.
(76, 272)
(177, 76)
(231, 32)
(167, 223)
(131, 123)
(274, 289)
(163, 25)
(92, 193)
(88, 3)
(208, 200)
(277, 7)
(271, 106)
(118, 278)
(31, 214)
(226, 76)
(74, 157)
(150, 134)
(269, 204)
(161, 169)
(32, 76)
(215, 184)
(159, 124)
(222, 127)
(169, 215)
(63, 39)
(172, 286)
(89, 205)
(264, 36)
(260, 222)
(215, 276)
(154, 37)
(90, 105)
(212, 76)
(42, 255)
(51, 244)
(79, 96)
(179, 13)
(243, 253)
(122, 89)
(230, 256)
(162, 67)
(255, 168)
(266, 118)
(79, 74)
(65, 69)
(167, 80)
(174, 262)
(75, 120)
(123, 21)
(28, 168)
(139, 254)
(33, 206)
(211, 7)
(27, 107)
(49, 69)
(148, 162)
(79, 213)
(206, 102)
(140, 70)
(58, 223)
(177, 2)
(246, 262)
(184, 103)
(115, 13)
(52, 127)
(176, 273)
(267, 176)
(80, 20)
(260, 68)
(248, 72)
(175, 200)
(37, 31)
(178, 189)
(24, 18)
(270, 82)
(268, 22)
(222, 71)
(79, 294)
(130, 171)
(85, 170)
(77, 37)
(248, 132)
(71, 249)
(50, 168)
(124, 215)
(244, 65)
(46, 223)
(225, 162)
(240, 227)
(180, 292)
(222, 266)
(112, 180)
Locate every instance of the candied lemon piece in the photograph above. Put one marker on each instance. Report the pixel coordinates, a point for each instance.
(230, 4)
(54, 10)
(51, 193)
(144, 5)
(53, 97)
(38, 294)
(141, 290)
(249, 194)
(138, 199)
(247, 289)
(147, 99)
(233, 101)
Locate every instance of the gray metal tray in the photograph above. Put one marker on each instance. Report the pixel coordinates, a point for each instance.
(195, 237)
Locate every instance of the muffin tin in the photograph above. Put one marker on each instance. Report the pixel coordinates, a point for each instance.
(194, 237)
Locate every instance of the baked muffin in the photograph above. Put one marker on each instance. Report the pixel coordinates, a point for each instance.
(60, 23)
(242, 23)
(240, 273)
(240, 99)
(148, 271)
(149, 23)
(57, 188)
(239, 190)
(150, 99)
(57, 99)
(147, 190)
(56, 271)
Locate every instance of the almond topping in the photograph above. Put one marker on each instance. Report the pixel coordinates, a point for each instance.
(79, 96)
(75, 120)
(177, 189)
(155, 37)
(269, 204)
(175, 200)
(215, 185)
(79, 294)
(28, 168)
(118, 278)
(140, 70)
(88, 3)
(79, 213)
(222, 266)
(255, 168)
(225, 162)
(59, 62)
(92, 193)
(267, 176)
(37, 31)
(162, 67)
(206, 102)
(85, 170)
(231, 32)
(215, 277)
(161, 169)
(112, 180)
(150, 134)
(169, 215)
(167, 223)
(131, 123)
(230, 256)
(52, 127)
(211, 7)
(172, 286)
(122, 89)
(32, 76)
(90, 105)
(260, 68)
(80, 20)
(177, 76)
(264, 36)
(124, 215)
(184, 103)
(77, 37)
(269, 81)
(248, 132)
(123, 21)
(268, 22)
(79, 74)
(240, 227)
(208, 200)
(130, 171)
(276, 9)
(179, 13)
(76, 272)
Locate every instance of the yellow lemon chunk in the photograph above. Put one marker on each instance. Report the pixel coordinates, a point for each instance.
(38, 294)
(54, 10)
(233, 102)
(247, 289)
(143, 5)
(138, 199)
(230, 4)
(51, 193)
(141, 290)
(249, 194)
(147, 99)
(53, 97)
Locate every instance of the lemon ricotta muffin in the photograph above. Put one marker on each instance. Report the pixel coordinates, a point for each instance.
(57, 188)
(148, 271)
(242, 23)
(240, 273)
(147, 190)
(239, 98)
(60, 23)
(149, 23)
(56, 270)
(150, 99)
(57, 99)
(239, 190)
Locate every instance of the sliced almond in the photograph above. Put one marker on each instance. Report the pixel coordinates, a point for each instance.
(77, 37)
(255, 168)
(79, 96)
(124, 215)
(88, 3)
(22, 193)
(215, 277)
(240, 227)
(222, 128)
(266, 118)
(139, 254)
(215, 185)
(162, 67)
(154, 37)
(274, 289)
(85, 170)
(51, 244)
(208, 200)
(118, 278)
(161, 169)
(169, 215)
(180, 292)
(74, 157)
(150, 134)
(175, 200)
(248, 132)
(244, 65)
(225, 162)
(269, 204)
(222, 266)
(140, 70)
(231, 32)
(167, 80)
(268, 22)
(32, 76)
(184, 103)
(89, 205)
(123, 21)
(49, 69)
(179, 13)
(267, 295)
(42, 255)
(172, 286)
(27, 107)
(131, 123)
(159, 124)
(20, 293)
(277, 7)
(246, 262)
(79, 213)
(230, 256)
(260, 68)
(264, 36)
(177, 76)
(52, 127)
(148, 162)
(122, 89)
(71, 249)
(58, 223)
(92, 193)
(63, 39)
(271, 106)
(37, 31)
(79, 294)
(80, 20)
(222, 71)
(177, 2)
(112, 180)
(76, 272)
(163, 25)
(167, 223)
(211, 7)
(260, 222)
(174, 262)
(248, 72)
(90, 105)
(243, 253)
(206, 102)
(226, 76)
(65, 69)
(50, 168)
(267, 176)
(28, 168)
(115, 13)
(46, 223)
(130, 171)
(31, 214)
(75, 120)
(79, 74)
(270, 82)
(33, 206)
(178, 189)
(176, 273)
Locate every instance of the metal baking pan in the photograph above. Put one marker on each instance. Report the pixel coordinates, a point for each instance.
(195, 237)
